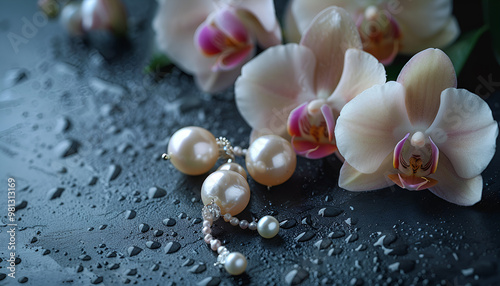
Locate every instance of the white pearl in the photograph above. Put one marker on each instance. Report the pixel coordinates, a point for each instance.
(268, 227)
(228, 189)
(234, 167)
(193, 150)
(271, 160)
(235, 263)
(215, 244)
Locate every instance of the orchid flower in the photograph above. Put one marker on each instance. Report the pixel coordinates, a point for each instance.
(386, 27)
(212, 39)
(104, 15)
(300, 88)
(420, 132)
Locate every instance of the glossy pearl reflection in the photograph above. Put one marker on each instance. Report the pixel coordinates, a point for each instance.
(228, 189)
(271, 160)
(193, 150)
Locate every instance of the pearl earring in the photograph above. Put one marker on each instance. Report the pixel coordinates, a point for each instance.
(270, 160)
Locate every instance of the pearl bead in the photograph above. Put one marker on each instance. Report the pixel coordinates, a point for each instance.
(243, 224)
(252, 226)
(268, 227)
(271, 160)
(193, 150)
(206, 230)
(235, 263)
(207, 238)
(215, 244)
(234, 221)
(228, 189)
(234, 167)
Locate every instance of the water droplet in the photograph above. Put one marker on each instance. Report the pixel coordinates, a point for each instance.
(296, 276)
(172, 247)
(156, 192)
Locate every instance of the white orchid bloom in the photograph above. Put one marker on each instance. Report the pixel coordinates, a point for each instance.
(302, 88)
(104, 15)
(420, 132)
(212, 39)
(386, 27)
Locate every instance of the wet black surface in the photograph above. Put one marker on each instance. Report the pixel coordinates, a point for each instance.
(82, 132)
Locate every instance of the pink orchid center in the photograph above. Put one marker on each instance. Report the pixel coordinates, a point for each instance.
(226, 37)
(311, 126)
(379, 33)
(415, 159)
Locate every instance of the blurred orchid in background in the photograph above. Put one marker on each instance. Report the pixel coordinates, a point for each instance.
(397, 133)
(212, 39)
(386, 27)
(301, 88)
(79, 18)
(104, 15)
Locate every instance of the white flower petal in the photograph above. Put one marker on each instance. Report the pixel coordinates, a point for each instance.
(330, 34)
(361, 71)
(424, 18)
(370, 125)
(453, 188)
(411, 43)
(353, 180)
(175, 24)
(214, 81)
(274, 83)
(304, 11)
(424, 77)
(264, 12)
(465, 131)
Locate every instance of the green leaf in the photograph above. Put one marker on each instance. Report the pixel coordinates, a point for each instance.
(460, 50)
(157, 63)
(491, 9)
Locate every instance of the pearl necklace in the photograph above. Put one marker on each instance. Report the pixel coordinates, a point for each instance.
(270, 160)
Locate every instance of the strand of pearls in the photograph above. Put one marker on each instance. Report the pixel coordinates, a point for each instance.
(270, 160)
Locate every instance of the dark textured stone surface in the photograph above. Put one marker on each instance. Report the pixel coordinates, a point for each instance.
(92, 91)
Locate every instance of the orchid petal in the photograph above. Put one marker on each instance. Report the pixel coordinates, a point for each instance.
(424, 18)
(464, 130)
(412, 183)
(211, 81)
(411, 43)
(263, 11)
(425, 76)
(353, 180)
(370, 125)
(175, 24)
(235, 59)
(330, 121)
(262, 99)
(397, 151)
(358, 65)
(104, 14)
(330, 34)
(453, 188)
(209, 39)
(304, 11)
(227, 21)
(265, 38)
(312, 150)
(293, 124)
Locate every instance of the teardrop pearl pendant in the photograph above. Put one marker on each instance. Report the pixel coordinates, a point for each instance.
(270, 160)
